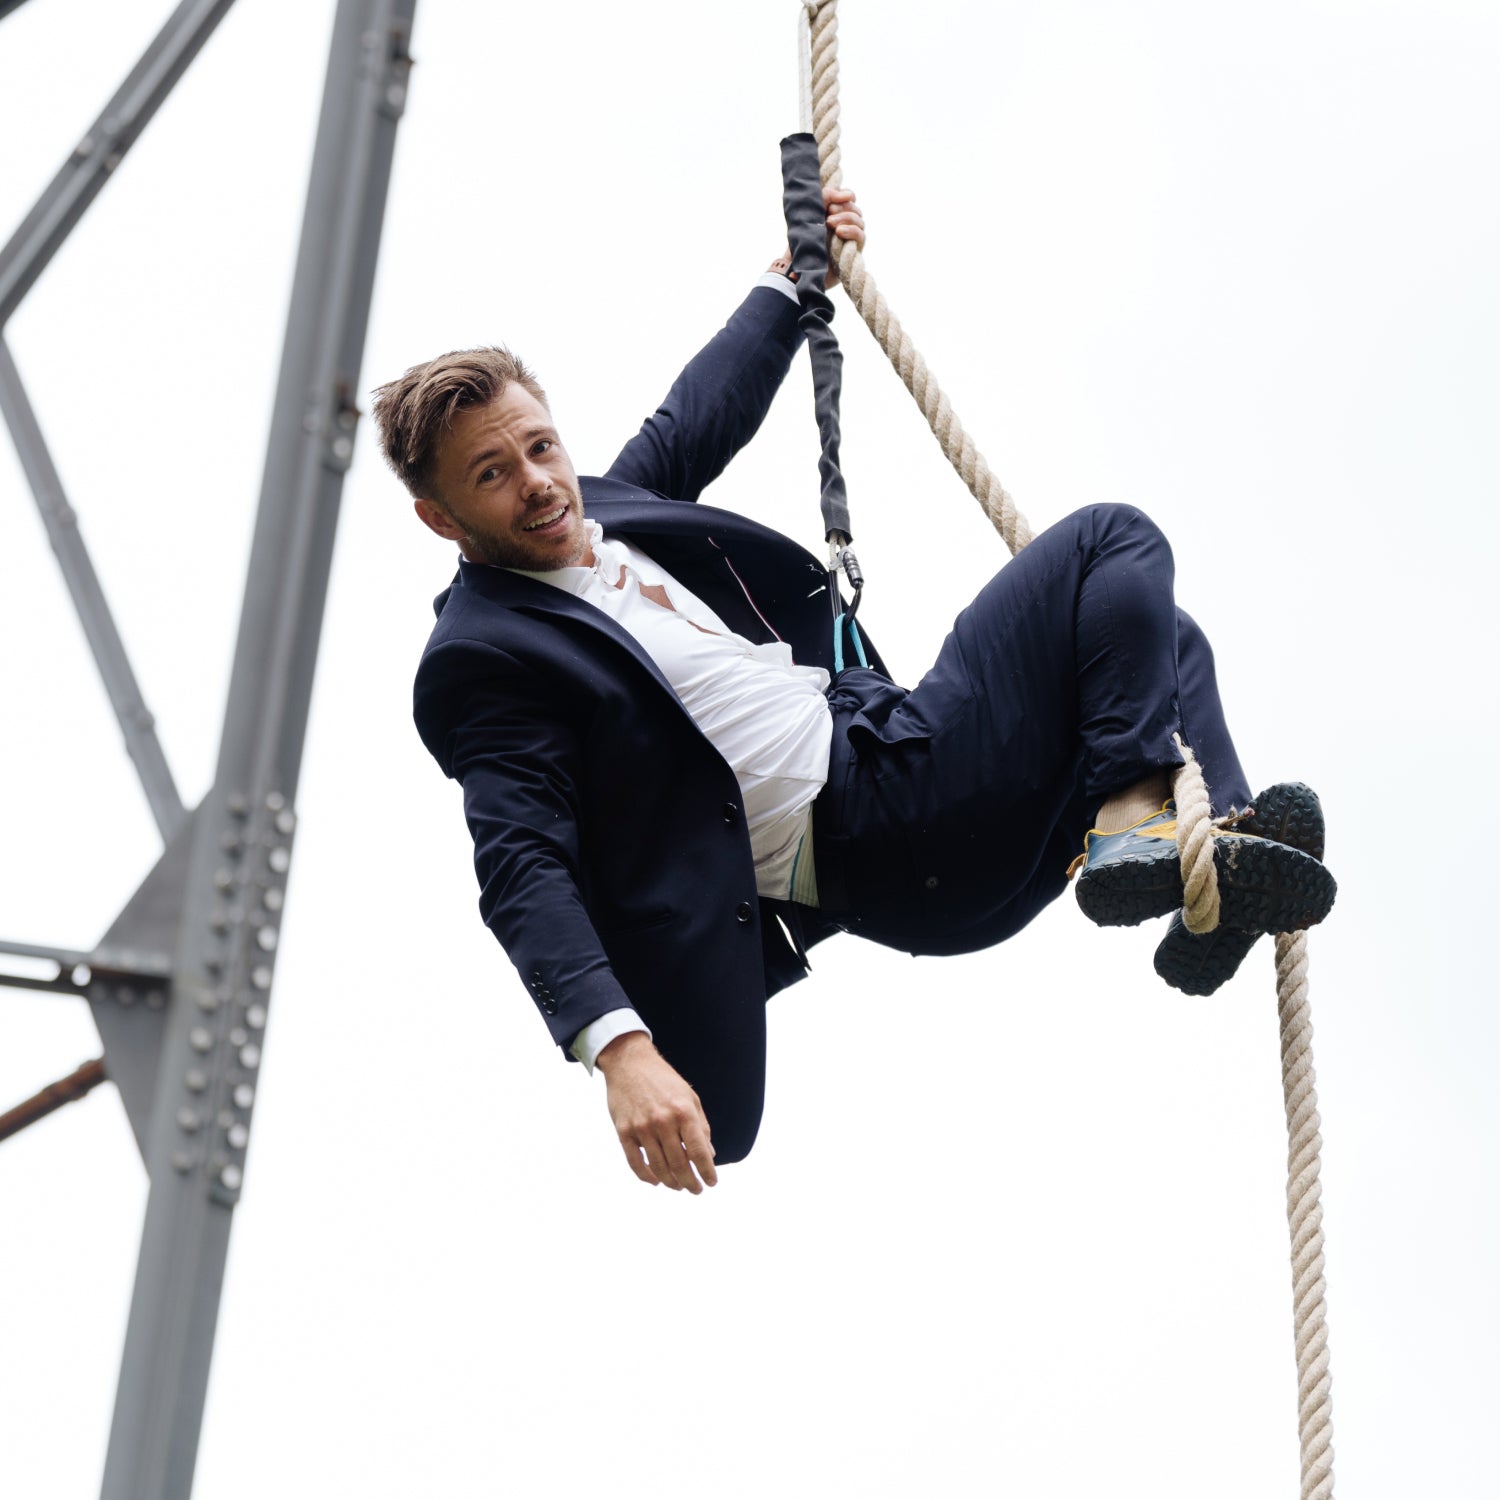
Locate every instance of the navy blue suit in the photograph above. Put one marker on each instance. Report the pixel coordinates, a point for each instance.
(613, 857)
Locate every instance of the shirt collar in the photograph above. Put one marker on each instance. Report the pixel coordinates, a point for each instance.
(607, 565)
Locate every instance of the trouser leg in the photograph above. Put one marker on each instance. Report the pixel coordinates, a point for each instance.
(1203, 725)
(953, 810)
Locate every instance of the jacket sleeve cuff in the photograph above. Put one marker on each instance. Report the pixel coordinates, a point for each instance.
(779, 283)
(597, 1035)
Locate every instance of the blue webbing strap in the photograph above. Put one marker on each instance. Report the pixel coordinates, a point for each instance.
(838, 643)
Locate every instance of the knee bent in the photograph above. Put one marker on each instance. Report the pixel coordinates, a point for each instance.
(1114, 521)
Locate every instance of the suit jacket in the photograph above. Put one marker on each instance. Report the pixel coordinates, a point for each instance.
(613, 858)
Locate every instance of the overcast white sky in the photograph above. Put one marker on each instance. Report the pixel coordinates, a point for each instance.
(1015, 1222)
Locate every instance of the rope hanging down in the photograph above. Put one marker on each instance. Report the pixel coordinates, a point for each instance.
(818, 66)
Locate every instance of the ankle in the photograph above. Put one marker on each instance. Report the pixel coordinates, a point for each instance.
(1128, 807)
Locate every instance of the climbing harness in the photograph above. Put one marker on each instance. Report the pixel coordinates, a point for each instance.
(819, 72)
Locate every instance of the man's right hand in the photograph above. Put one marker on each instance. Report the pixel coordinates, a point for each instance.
(657, 1116)
(845, 222)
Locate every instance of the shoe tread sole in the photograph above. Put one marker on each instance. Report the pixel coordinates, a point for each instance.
(1198, 963)
(1263, 887)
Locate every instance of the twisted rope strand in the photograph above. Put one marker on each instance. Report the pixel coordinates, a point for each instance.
(1195, 843)
(904, 356)
(1194, 814)
(1304, 1211)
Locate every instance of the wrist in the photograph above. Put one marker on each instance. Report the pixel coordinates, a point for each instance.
(629, 1047)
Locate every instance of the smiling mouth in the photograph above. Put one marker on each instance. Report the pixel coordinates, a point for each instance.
(547, 520)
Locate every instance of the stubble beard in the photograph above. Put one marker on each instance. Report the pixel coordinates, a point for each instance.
(514, 552)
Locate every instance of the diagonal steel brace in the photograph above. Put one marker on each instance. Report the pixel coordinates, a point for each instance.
(22, 260)
(103, 147)
(61, 522)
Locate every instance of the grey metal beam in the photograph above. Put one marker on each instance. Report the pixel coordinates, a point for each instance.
(102, 147)
(61, 522)
(130, 973)
(61, 985)
(66, 960)
(24, 257)
(241, 836)
(75, 971)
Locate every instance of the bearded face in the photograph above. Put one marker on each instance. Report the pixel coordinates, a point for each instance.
(506, 489)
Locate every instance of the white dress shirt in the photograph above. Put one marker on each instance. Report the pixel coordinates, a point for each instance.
(767, 716)
(764, 714)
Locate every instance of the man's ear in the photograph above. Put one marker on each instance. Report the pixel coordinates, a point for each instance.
(435, 518)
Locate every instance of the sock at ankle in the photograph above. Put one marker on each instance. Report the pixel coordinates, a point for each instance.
(1128, 807)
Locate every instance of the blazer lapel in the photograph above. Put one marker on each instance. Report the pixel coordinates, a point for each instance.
(541, 601)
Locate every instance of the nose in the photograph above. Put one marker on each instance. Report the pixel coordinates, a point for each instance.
(535, 480)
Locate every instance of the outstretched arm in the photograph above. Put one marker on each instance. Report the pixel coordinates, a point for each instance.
(721, 398)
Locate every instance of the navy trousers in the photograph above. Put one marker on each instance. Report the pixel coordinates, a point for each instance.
(953, 810)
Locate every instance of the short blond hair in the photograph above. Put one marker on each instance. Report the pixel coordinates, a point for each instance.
(414, 412)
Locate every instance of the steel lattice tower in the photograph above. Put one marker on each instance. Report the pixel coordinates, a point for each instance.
(180, 984)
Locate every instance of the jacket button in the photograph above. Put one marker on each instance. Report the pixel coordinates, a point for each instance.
(730, 809)
(550, 1005)
(743, 912)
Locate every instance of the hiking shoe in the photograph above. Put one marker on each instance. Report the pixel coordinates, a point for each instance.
(1135, 874)
(1197, 963)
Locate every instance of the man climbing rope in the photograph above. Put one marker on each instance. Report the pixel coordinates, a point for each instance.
(674, 791)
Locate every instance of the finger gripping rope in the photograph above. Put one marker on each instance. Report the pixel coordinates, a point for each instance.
(1194, 815)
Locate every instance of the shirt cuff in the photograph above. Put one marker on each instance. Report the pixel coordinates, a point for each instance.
(597, 1035)
(779, 282)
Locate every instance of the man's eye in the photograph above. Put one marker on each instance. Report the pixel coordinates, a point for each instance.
(488, 475)
(542, 445)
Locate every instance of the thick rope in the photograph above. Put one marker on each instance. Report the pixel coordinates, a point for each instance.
(1304, 1212)
(1195, 844)
(1194, 815)
(956, 444)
